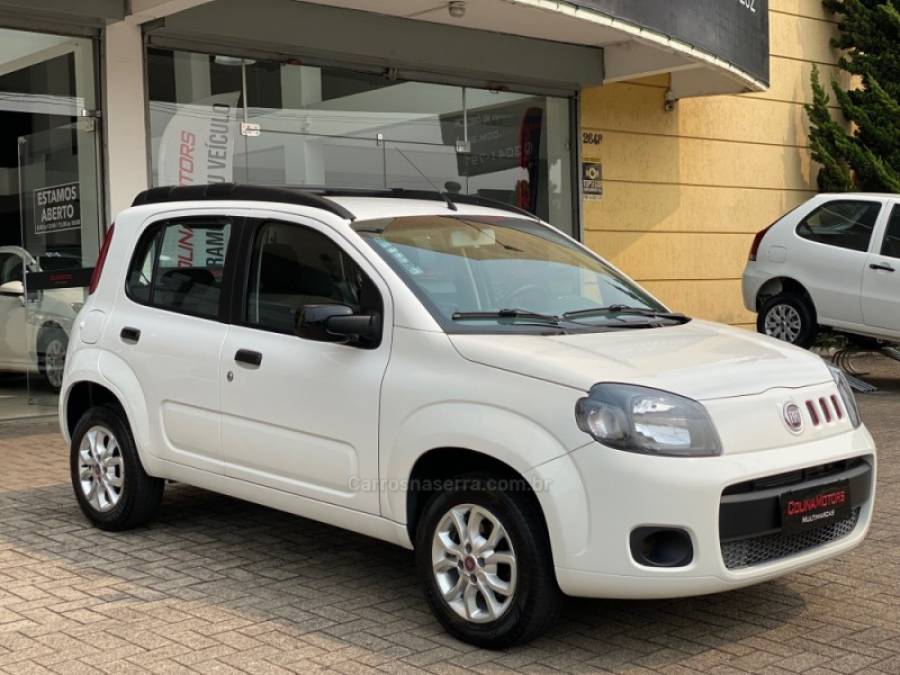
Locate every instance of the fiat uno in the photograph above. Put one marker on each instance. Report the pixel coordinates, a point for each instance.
(456, 377)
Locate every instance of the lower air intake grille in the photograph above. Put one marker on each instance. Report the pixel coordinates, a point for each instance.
(758, 550)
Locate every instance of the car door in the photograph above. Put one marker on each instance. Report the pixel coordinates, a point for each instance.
(169, 332)
(13, 328)
(881, 279)
(300, 415)
(831, 254)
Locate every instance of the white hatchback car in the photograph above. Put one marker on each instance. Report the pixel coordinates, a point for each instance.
(833, 262)
(460, 379)
(34, 330)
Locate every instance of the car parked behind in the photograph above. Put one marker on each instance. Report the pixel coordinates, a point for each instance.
(35, 327)
(833, 262)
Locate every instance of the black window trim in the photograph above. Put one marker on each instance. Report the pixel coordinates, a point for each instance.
(240, 292)
(894, 213)
(830, 202)
(151, 236)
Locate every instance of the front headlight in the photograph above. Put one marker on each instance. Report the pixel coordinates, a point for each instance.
(847, 395)
(650, 421)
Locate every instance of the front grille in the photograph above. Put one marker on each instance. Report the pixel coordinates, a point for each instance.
(794, 477)
(769, 547)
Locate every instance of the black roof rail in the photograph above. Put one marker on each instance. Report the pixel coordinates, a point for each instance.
(260, 193)
(430, 195)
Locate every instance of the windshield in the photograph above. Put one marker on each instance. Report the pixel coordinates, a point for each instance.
(501, 271)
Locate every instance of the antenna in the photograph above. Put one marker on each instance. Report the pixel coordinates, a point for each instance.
(450, 204)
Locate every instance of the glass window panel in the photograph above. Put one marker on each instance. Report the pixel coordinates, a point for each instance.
(181, 268)
(295, 266)
(845, 224)
(891, 245)
(345, 129)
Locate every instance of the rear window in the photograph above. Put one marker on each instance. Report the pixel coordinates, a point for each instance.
(844, 224)
(179, 266)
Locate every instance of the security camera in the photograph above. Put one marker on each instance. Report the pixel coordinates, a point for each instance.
(457, 8)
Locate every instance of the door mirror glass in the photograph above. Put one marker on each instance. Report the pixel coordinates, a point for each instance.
(13, 288)
(338, 323)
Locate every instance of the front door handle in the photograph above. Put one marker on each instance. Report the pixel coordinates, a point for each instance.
(883, 267)
(248, 357)
(129, 334)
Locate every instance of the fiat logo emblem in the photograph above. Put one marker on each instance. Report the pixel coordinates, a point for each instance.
(792, 417)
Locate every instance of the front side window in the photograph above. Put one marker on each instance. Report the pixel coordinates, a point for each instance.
(179, 266)
(11, 268)
(891, 245)
(473, 271)
(844, 224)
(293, 266)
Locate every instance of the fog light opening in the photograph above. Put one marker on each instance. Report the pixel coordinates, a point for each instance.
(661, 547)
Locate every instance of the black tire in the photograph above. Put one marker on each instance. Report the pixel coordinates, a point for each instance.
(52, 339)
(805, 334)
(139, 495)
(536, 599)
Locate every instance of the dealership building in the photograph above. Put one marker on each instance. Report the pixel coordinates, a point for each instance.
(662, 134)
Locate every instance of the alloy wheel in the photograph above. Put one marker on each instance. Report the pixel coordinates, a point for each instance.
(100, 468)
(474, 563)
(55, 362)
(784, 322)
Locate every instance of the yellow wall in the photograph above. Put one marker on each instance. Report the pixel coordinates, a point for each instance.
(685, 191)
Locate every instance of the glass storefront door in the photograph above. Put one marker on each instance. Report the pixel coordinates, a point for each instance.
(49, 209)
(222, 118)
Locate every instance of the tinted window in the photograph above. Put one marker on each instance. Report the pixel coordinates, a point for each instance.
(11, 268)
(293, 266)
(845, 224)
(891, 245)
(180, 265)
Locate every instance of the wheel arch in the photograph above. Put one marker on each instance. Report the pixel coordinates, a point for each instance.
(103, 377)
(46, 327)
(783, 284)
(439, 464)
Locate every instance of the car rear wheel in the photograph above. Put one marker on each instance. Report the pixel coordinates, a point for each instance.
(111, 486)
(483, 556)
(789, 318)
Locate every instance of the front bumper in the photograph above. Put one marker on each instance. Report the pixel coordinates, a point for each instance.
(736, 537)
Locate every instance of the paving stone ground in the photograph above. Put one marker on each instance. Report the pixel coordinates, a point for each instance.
(221, 586)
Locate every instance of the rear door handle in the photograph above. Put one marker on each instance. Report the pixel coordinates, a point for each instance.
(248, 356)
(129, 334)
(883, 267)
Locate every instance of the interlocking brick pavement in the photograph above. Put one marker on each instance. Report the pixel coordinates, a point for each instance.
(216, 585)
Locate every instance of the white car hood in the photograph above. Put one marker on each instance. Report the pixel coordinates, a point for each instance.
(701, 360)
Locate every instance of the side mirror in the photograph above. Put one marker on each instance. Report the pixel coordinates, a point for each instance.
(338, 323)
(13, 289)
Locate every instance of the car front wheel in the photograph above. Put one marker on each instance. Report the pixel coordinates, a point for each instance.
(483, 555)
(789, 318)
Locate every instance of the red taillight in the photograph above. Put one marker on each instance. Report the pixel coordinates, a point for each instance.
(101, 259)
(757, 240)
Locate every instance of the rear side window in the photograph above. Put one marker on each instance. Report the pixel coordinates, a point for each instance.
(891, 245)
(179, 266)
(844, 224)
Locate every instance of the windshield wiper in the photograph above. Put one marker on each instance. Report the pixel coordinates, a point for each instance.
(625, 309)
(511, 314)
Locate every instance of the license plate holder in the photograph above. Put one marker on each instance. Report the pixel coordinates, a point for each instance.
(813, 508)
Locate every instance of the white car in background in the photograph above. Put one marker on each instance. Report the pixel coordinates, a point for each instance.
(833, 262)
(34, 329)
